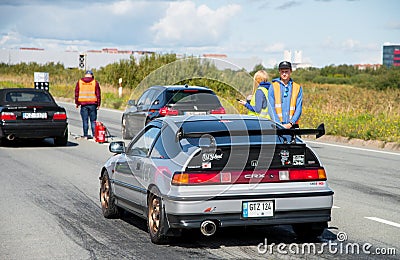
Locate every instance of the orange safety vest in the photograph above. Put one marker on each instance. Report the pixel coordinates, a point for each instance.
(278, 100)
(87, 91)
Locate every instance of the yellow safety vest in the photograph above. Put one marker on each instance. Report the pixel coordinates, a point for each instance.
(264, 111)
(278, 100)
(87, 91)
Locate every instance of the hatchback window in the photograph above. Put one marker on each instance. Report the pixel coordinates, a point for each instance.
(192, 96)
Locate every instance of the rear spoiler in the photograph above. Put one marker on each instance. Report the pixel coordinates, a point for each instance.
(318, 132)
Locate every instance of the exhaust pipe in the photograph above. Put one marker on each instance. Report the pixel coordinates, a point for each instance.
(10, 137)
(208, 228)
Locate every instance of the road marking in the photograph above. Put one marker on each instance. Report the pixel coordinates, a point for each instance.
(354, 148)
(335, 207)
(384, 221)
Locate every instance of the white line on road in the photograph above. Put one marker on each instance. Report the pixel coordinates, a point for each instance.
(354, 148)
(335, 207)
(384, 221)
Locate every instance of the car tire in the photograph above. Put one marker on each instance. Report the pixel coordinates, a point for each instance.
(107, 200)
(156, 219)
(62, 140)
(309, 230)
(126, 134)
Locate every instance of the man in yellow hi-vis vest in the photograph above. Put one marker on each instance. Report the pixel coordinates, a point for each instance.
(88, 97)
(285, 97)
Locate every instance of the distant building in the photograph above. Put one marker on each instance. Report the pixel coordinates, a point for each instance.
(367, 66)
(391, 55)
(297, 62)
(95, 59)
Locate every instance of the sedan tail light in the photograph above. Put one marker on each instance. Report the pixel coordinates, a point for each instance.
(6, 116)
(220, 110)
(166, 111)
(60, 116)
(248, 176)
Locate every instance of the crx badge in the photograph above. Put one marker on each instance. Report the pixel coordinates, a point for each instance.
(285, 157)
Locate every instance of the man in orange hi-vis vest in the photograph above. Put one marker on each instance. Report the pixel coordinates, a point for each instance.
(285, 97)
(88, 97)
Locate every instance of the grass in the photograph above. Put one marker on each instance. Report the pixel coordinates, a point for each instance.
(346, 110)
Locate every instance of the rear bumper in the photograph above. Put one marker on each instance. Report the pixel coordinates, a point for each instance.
(236, 220)
(34, 129)
(227, 212)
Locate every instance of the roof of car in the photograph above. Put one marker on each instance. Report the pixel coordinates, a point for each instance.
(180, 87)
(19, 89)
(197, 118)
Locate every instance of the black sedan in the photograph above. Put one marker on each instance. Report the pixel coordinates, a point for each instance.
(28, 113)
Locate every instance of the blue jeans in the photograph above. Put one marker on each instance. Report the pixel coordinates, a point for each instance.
(88, 111)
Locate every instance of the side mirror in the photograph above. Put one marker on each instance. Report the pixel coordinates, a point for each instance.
(117, 147)
(131, 102)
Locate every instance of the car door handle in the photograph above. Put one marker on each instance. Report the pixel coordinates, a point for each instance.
(138, 166)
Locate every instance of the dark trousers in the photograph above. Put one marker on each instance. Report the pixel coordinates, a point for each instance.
(88, 112)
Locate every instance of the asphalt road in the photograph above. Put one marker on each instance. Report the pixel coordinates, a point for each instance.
(49, 208)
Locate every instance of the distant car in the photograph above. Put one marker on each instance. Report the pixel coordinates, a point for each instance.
(159, 101)
(28, 113)
(207, 172)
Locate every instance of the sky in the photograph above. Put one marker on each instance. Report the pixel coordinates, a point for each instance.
(327, 32)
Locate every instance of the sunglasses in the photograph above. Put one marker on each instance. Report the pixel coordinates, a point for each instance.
(286, 93)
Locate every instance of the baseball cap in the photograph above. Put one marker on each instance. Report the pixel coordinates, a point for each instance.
(285, 65)
(89, 72)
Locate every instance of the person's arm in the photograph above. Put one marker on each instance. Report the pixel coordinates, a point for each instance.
(77, 94)
(98, 94)
(299, 107)
(259, 101)
(248, 106)
(271, 109)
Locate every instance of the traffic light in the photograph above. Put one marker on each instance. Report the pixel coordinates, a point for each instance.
(82, 61)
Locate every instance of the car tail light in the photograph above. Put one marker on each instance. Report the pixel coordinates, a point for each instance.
(60, 116)
(6, 116)
(220, 110)
(166, 111)
(248, 176)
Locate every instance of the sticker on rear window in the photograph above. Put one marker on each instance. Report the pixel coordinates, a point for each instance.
(298, 159)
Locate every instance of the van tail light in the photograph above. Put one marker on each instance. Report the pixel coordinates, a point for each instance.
(7, 116)
(60, 116)
(248, 176)
(220, 110)
(166, 111)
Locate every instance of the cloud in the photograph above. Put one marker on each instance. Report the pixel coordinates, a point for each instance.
(395, 25)
(276, 47)
(8, 38)
(188, 24)
(287, 5)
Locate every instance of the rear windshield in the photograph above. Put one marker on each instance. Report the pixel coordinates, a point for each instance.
(192, 96)
(233, 132)
(28, 96)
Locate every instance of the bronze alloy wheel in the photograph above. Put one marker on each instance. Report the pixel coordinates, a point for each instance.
(154, 215)
(105, 193)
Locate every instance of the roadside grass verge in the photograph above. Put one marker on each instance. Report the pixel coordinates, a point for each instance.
(345, 110)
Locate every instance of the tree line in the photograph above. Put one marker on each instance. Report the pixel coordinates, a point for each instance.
(168, 69)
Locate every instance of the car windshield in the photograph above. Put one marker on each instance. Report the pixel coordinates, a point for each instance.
(28, 96)
(191, 95)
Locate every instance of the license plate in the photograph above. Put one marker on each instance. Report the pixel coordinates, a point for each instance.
(34, 115)
(258, 209)
(191, 113)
